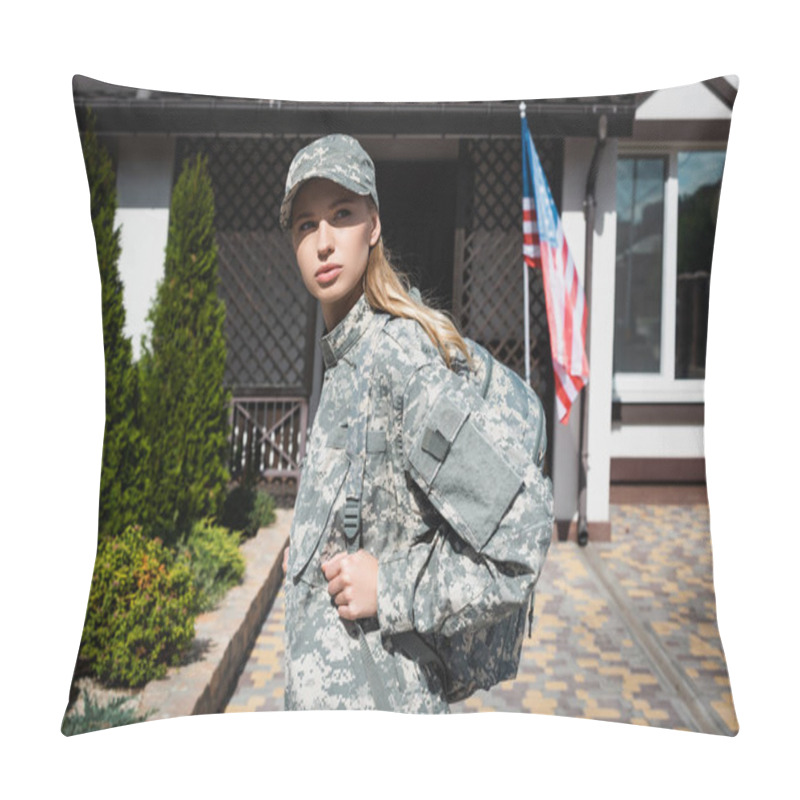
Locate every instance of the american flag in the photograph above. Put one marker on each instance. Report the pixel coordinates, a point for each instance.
(544, 245)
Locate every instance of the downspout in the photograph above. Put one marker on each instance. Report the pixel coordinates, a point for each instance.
(589, 205)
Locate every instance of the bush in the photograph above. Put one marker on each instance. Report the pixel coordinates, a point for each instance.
(123, 480)
(182, 366)
(247, 509)
(140, 616)
(211, 553)
(96, 717)
(263, 511)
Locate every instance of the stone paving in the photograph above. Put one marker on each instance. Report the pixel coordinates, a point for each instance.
(624, 631)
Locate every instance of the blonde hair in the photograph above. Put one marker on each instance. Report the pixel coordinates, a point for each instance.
(387, 290)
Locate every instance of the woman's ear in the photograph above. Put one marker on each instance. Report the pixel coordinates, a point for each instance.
(376, 229)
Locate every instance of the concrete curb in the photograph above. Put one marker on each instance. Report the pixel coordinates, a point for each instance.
(224, 636)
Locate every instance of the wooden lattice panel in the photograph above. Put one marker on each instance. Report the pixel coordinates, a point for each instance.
(270, 318)
(248, 176)
(268, 311)
(491, 307)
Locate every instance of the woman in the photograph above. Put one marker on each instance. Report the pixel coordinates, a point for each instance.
(372, 567)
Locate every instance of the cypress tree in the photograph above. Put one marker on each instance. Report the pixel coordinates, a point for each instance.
(185, 404)
(122, 476)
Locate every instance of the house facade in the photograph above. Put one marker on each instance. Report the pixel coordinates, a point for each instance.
(449, 178)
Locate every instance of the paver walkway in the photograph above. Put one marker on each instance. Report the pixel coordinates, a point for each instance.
(624, 631)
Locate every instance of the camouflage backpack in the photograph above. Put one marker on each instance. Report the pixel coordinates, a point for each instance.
(475, 659)
(479, 659)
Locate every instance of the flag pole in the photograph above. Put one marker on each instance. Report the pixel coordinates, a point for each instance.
(527, 306)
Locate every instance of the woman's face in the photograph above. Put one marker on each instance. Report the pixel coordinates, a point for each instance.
(332, 232)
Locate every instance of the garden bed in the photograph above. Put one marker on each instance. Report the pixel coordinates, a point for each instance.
(223, 639)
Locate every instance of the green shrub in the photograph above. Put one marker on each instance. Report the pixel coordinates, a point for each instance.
(95, 717)
(123, 480)
(185, 404)
(212, 554)
(247, 509)
(263, 511)
(140, 615)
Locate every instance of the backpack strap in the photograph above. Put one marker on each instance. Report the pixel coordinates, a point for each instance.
(488, 364)
(354, 482)
(357, 444)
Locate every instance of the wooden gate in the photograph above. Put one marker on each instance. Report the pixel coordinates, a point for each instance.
(268, 435)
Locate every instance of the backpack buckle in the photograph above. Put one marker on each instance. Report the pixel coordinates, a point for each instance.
(352, 518)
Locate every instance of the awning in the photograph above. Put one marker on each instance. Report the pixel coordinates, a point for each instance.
(125, 110)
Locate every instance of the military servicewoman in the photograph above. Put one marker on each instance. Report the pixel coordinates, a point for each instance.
(416, 517)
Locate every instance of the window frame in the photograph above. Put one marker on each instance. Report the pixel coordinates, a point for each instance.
(663, 386)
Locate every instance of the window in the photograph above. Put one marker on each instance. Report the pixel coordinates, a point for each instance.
(666, 218)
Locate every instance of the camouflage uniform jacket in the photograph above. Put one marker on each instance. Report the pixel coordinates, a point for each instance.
(432, 580)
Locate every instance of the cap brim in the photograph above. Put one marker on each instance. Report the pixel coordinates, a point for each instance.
(288, 200)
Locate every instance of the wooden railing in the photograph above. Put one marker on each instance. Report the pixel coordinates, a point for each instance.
(268, 434)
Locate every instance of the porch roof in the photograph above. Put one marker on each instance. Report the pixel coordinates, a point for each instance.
(125, 110)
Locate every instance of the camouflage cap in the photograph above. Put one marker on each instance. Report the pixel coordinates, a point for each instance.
(339, 158)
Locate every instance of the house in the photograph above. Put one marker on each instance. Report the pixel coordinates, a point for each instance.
(646, 167)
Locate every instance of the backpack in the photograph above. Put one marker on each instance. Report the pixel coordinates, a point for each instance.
(474, 659)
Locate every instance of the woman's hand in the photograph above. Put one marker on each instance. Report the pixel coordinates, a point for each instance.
(353, 584)
(285, 559)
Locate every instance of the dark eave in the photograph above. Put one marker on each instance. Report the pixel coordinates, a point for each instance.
(723, 89)
(122, 110)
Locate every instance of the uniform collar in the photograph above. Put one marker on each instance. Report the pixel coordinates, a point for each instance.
(347, 333)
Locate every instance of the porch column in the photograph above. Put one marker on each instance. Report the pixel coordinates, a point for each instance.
(566, 445)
